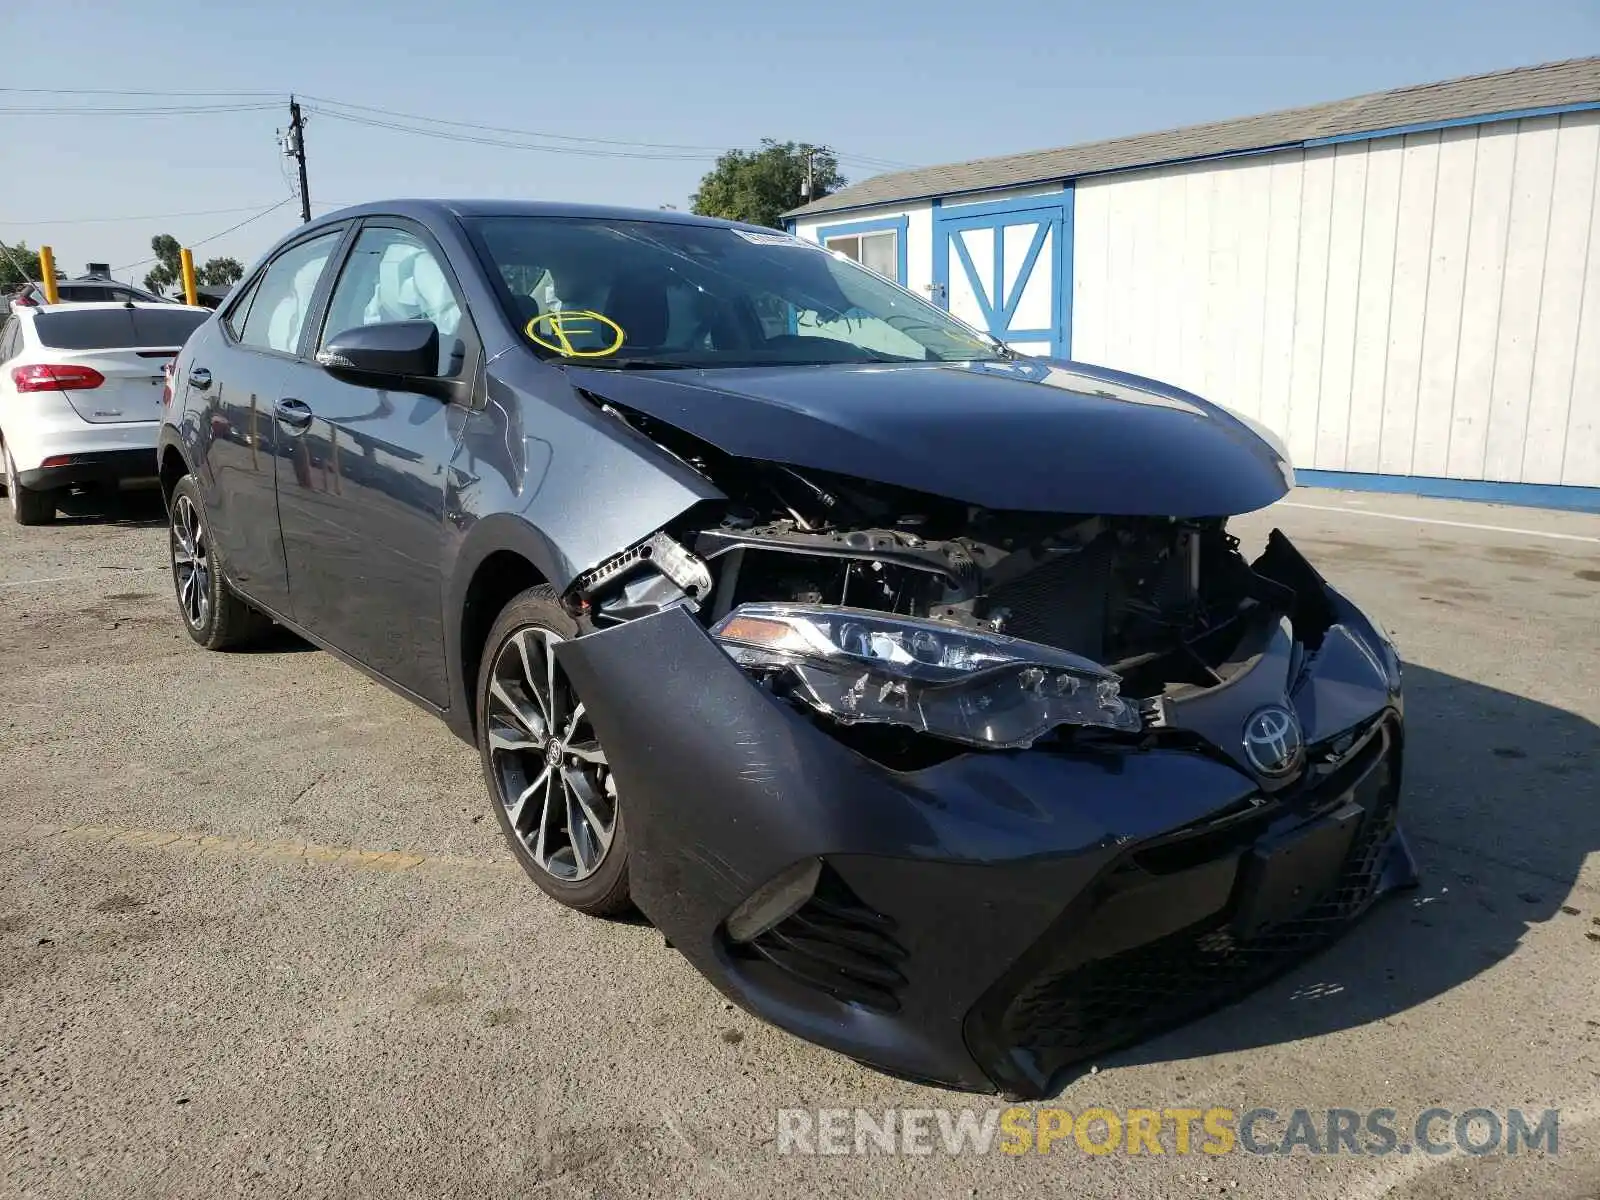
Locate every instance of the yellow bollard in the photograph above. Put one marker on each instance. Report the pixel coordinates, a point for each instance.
(186, 260)
(47, 275)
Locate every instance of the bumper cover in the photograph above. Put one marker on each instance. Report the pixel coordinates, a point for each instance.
(986, 922)
(98, 466)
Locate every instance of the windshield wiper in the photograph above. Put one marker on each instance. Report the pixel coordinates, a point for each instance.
(633, 364)
(1001, 348)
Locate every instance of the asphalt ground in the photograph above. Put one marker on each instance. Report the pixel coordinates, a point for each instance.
(259, 935)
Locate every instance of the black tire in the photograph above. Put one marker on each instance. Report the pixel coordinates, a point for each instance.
(214, 616)
(29, 506)
(603, 892)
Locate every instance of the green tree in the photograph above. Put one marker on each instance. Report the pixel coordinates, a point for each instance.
(760, 185)
(18, 265)
(221, 272)
(168, 271)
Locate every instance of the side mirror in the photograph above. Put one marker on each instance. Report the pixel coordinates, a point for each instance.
(387, 352)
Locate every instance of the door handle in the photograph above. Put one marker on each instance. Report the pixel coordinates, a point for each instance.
(199, 377)
(296, 414)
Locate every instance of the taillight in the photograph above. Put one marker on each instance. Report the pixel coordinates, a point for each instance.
(42, 377)
(24, 302)
(167, 369)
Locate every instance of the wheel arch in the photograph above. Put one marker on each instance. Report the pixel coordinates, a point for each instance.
(502, 556)
(173, 467)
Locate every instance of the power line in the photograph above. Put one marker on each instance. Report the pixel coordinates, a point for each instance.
(507, 144)
(558, 137)
(386, 118)
(689, 151)
(48, 91)
(203, 212)
(879, 164)
(175, 110)
(213, 237)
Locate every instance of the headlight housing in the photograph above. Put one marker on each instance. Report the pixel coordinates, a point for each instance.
(966, 685)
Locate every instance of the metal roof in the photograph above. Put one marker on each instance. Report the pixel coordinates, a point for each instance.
(1552, 85)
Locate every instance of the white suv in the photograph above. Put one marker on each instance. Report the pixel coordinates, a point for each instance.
(81, 396)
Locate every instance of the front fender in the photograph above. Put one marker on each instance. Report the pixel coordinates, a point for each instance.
(483, 538)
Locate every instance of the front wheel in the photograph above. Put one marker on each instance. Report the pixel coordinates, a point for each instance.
(214, 616)
(548, 777)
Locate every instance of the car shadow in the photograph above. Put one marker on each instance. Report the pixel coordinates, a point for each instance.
(276, 640)
(139, 508)
(1501, 806)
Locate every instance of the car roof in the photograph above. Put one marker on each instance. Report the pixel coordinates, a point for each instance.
(424, 208)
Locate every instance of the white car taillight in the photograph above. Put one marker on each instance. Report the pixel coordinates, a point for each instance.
(44, 377)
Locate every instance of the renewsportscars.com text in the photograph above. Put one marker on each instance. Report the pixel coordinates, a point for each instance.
(1179, 1131)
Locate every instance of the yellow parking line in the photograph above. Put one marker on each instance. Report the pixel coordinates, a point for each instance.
(17, 837)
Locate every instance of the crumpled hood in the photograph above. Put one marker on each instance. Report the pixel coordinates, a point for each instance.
(1029, 435)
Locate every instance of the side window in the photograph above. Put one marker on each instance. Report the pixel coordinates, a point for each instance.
(392, 276)
(10, 331)
(283, 297)
(235, 318)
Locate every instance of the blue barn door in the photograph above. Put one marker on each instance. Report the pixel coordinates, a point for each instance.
(1007, 267)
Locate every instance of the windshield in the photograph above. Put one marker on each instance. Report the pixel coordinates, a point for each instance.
(658, 293)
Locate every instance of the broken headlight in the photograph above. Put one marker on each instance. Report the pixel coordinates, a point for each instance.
(982, 689)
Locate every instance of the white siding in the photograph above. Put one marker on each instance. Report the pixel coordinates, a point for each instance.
(1418, 305)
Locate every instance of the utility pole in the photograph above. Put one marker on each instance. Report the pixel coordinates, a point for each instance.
(807, 184)
(295, 148)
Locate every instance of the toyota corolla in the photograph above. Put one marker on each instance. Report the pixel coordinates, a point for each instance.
(915, 690)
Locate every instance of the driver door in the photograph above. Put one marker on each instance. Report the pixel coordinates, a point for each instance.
(361, 491)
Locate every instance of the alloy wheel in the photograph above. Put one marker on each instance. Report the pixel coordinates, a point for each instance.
(550, 773)
(191, 564)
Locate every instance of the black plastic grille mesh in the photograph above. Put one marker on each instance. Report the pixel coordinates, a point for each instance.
(1064, 1015)
(838, 945)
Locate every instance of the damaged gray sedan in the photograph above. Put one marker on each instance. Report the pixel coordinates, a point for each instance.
(915, 690)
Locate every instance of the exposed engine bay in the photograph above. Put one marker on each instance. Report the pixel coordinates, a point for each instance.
(1139, 607)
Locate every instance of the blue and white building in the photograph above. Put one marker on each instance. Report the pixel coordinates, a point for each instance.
(1406, 286)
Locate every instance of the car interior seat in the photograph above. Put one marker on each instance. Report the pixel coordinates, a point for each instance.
(289, 314)
(639, 304)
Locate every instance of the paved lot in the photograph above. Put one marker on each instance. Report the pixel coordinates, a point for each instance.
(258, 934)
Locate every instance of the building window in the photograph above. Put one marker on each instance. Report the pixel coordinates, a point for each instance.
(879, 251)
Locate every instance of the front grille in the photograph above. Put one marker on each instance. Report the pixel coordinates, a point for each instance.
(838, 945)
(1068, 1009)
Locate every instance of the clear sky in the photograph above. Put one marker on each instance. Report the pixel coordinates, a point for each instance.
(878, 80)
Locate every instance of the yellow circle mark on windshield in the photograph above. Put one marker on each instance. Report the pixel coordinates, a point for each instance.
(556, 331)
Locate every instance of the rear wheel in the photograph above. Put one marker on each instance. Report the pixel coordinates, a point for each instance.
(215, 617)
(548, 777)
(29, 506)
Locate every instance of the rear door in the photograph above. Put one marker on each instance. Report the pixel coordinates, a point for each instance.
(235, 374)
(127, 347)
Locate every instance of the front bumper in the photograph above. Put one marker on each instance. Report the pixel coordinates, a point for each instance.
(987, 922)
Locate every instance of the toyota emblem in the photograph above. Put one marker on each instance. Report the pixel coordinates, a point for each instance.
(1272, 741)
